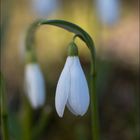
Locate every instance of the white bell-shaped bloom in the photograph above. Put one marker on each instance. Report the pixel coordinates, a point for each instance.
(108, 10)
(35, 85)
(43, 8)
(72, 89)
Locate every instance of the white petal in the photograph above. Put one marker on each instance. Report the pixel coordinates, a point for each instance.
(79, 93)
(63, 86)
(71, 110)
(35, 85)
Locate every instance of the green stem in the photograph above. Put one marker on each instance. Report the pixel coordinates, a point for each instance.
(94, 103)
(41, 124)
(26, 120)
(4, 112)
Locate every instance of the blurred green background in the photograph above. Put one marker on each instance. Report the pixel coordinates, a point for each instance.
(117, 48)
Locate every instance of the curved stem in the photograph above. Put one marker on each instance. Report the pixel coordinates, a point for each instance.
(79, 32)
(4, 112)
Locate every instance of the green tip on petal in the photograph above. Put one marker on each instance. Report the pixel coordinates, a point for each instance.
(72, 49)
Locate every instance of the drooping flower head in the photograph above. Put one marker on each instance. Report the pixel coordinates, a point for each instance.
(108, 11)
(44, 8)
(34, 82)
(72, 88)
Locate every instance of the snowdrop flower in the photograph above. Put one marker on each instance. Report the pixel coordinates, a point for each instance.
(108, 10)
(35, 85)
(72, 89)
(44, 7)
